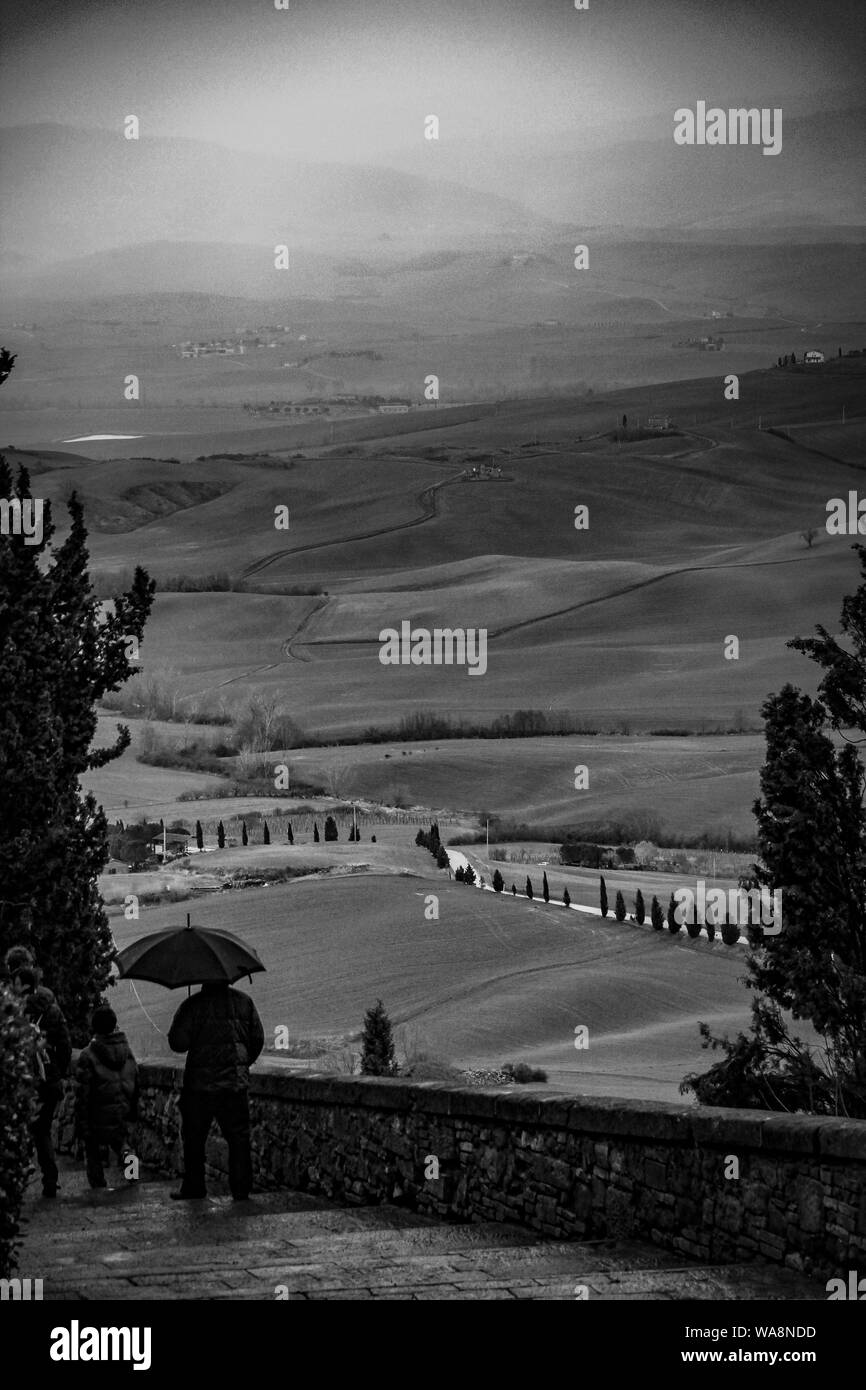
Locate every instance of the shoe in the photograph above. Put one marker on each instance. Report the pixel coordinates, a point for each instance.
(182, 1196)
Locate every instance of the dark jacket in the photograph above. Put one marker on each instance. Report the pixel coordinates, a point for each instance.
(43, 1010)
(106, 1087)
(222, 1033)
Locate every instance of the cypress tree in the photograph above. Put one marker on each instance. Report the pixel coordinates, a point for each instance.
(639, 908)
(619, 907)
(529, 887)
(221, 836)
(498, 881)
(545, 890)
(315, 833)
(442, 860)
(566, 898)
(673, 924)
(603, 896)
(266, 834)
(331, 832)
(657, 916)
(199, 836)
(377, 1043)
(469, 874)
(290, 834)
(58, 656)
(513, 891)
(245, 839)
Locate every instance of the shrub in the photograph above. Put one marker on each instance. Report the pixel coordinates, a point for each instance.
(498, 881)
(469, 874)
(458, 873)
(523, 1074)
(331, 832)
(709, 926)
(693, 926)
(619, 907)
(17, 1104)
(730, 933)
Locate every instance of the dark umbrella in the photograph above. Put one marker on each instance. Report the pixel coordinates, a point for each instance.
(187, 956)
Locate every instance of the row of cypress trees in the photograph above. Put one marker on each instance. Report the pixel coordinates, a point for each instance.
(659, 918)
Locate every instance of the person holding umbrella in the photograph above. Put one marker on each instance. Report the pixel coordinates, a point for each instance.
(220, 1031)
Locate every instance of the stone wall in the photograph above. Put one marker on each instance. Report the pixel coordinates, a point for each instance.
(566, 1166)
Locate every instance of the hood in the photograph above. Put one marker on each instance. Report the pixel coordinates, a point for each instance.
(112, 1051)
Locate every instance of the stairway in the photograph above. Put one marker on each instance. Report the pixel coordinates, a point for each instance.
(134, 1243)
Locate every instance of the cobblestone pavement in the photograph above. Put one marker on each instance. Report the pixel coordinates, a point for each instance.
(135, 1243)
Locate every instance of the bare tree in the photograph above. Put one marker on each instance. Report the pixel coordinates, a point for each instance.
(808, 535)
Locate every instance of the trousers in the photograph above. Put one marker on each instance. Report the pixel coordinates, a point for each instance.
(48, 1097)
(94, 1148)
(231, 1110)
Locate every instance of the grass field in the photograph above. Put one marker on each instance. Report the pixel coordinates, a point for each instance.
(492, 980)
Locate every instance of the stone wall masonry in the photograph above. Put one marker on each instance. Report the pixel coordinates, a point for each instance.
(563, 1165)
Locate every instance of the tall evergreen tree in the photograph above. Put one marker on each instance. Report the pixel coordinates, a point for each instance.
(377, 1043)
(331, 832)
(498, 881)
(59, 654)
(221, 836)
(315, 832)
(566, 898)
(529, 887)
(199, 836)
(639, 908)
(673, 924)
(245, 839)
(657, 916)
(290, 834)
(513, 891)
(469, 874)
(545, 888)
(266, 834)
(619, 907)
(812, 839)
(603, 896)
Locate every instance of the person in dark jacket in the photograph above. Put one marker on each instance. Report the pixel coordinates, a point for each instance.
(106, 1094)
(220, 1031)
(52, 1062)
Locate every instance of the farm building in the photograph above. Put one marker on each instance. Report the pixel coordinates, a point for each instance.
(659, 422)
(176, 844)
(813, 359)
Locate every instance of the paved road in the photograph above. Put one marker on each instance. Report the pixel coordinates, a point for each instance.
(136, 1244)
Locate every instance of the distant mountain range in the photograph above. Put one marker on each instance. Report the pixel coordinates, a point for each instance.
(88, 212)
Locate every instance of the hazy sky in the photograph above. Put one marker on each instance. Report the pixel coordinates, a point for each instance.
(344, 80)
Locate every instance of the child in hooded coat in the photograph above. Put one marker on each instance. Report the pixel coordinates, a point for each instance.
(106, 1094)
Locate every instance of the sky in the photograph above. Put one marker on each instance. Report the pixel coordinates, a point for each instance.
(340, 80)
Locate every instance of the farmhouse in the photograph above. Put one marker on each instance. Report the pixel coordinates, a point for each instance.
(813, 359)
(659, 422)
(176, 844)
